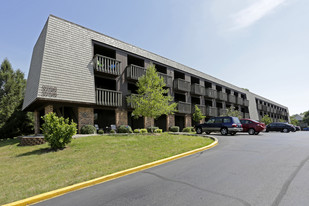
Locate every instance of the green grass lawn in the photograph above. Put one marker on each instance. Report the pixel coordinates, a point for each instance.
(30, 170)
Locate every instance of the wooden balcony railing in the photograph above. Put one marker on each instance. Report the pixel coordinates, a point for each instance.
(231, 98)
(182, 85)
(106, 65)
(201, 107)
(211, 93)
(222, 96)
(184, 107)
(268, 109)
(134, 72)
(260, 107)
(264, 107)
(247, 115)
(246, 103)
(240, 101)
(211, 112)
(167, 79)
(197, 89)
(109, 98)
(222, 112)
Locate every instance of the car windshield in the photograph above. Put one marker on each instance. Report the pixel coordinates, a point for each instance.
(236, 120)
(255, 121)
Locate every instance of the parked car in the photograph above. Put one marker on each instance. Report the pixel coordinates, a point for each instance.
(279, 127)
(252, 126)
(298, 128)
(306, 129)
(224, 125)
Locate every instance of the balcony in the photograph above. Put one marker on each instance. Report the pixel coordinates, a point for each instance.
(167, 79)
(231, 98)
(211, 112)
(134, 72)
(259, 106)
(268, 109)
(246, 103)
(108, 98)
(264, 107)
(197, 89)
(247, 116)
(211, 93)
(106, 65)
(184, 107)
(240, 101)
(222, 112)
(222, 96)
(201, 107)
(182, 85)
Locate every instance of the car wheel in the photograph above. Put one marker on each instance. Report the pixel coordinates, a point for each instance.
(233, 133)
(285, 130)
(266, 130)
(224, 131)
(207, 132)
(251, 131)
(256, 133)
(198, 130)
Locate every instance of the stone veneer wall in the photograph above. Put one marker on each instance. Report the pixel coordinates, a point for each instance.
(121, 117)
(188, 120)
(170, 121)
(85, 117)
(148, 122)
(48, 109)
(29, 141)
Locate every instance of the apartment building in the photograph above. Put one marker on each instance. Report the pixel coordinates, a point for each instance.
(85, 75)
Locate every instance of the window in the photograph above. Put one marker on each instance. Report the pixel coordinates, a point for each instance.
(211, 121)
(218, 120)
(227, 120)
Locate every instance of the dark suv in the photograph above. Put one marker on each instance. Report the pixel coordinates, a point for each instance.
(279, 127)
(225, 125)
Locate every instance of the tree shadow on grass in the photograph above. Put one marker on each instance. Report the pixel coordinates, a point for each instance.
(37, 152)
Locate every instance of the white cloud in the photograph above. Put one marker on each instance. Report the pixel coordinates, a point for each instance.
(254, 13)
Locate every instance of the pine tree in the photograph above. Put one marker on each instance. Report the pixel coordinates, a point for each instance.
(151, 100)
(12, 87)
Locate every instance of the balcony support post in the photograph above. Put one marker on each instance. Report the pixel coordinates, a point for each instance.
(170, 121)
(148, 122)
(121, 117)
(36, 115)
(85, 117)
(188, 120)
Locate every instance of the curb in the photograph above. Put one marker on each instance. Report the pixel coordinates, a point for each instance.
(64, 190)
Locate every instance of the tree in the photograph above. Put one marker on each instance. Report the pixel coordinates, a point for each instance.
(197, 115)
(152, 99)
(13, 121)
(294, 121)
(266, 119)
(233, 113)
(306, 117)
(282, 120)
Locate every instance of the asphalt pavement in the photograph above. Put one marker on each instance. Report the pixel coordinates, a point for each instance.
(266, 169)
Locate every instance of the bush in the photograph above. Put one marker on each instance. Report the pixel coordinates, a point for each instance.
(143, 131)
(152, 129)
(158, 131)
(137, 131)
(101, 131)
(57, 130)
(124, 129)
(186, 129)
(112, 131)
(174, 129)
(87, 129)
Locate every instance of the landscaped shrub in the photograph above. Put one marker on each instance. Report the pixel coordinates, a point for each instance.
(174, 129)
(101, 131)
(124, 129)
(137, 131)
(112, 131)
(57, 130)
(158, 131)
(87, 129)
(188, 129)
(152, 129)
(143, 131)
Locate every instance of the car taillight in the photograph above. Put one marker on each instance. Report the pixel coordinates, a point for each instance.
(234, 125)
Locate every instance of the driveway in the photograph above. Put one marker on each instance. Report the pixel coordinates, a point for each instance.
(267, 169)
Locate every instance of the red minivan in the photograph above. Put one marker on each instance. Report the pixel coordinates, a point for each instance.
(252, 126)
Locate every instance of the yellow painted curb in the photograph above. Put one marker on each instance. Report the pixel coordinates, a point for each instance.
(61, 191)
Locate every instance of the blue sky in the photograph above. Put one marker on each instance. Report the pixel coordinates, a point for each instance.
(261, 45)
